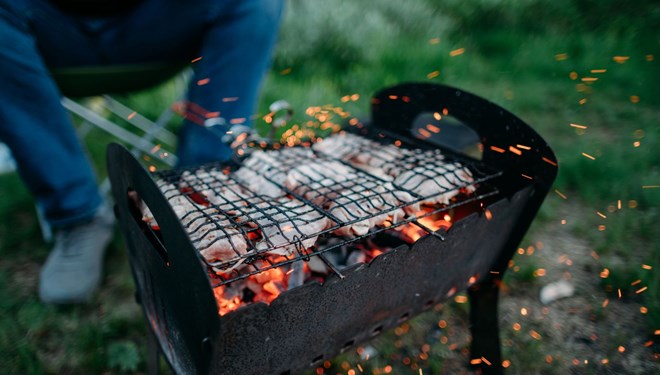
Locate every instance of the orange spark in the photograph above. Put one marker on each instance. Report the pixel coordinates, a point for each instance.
(457, 52)
(425, 133)
(506, 363)
(601, 215)
(196, 59)
(638, 291)
(203, 81)
(526, 176)
(230, 99)
(649, 57)
(497, 149)
(433, 74)
(635, 282)
(460, 299)
(598, 71)
(560, 194)
(573, 76)
(433, 128)
(515, 150)
(535, 335)
(589, 79)
(130, 116)
(286, 71)
(582, 101)
(620, 59)
(646, 267)
(523, 147)
(606, 302)
(634, 99)
(561, 56)
(549, 161)
(588, 156)
(578, 126)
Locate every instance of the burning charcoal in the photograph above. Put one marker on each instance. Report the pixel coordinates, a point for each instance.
(317, 265)
(296, 275)
(356, 257)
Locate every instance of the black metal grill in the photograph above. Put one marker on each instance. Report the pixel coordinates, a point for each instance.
(238, 212)
(314, 322)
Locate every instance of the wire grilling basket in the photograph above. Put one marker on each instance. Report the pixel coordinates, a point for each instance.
(287, 202)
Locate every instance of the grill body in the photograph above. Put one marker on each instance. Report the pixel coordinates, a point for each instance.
(314, 322)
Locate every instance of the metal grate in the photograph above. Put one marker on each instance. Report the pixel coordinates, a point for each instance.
(283, 202)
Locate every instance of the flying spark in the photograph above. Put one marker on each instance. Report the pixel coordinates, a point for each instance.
(588, 156)
(196, 60)
(561, 56)
(578, 126)
(560, 194)
(598, 71)
(620, 59)
(457, 52)
(433, 74)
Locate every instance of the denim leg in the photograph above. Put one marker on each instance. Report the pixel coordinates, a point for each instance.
(235, 39)
(236, 53)
(38, 131)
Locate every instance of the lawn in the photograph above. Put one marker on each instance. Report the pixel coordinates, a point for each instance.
(583, 73)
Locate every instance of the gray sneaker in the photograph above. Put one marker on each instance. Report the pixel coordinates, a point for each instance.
(73, 269)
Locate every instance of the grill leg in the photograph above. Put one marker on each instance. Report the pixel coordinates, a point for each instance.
(153, 353)
(484, 327)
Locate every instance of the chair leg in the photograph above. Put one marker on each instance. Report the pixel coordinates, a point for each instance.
(153, 353)
(485, 348)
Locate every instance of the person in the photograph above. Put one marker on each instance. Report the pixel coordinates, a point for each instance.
(231, 42)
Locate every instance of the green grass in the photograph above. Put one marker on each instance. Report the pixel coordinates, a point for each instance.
(332, 49)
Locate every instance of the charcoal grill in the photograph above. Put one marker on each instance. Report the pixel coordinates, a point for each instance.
(313, 322)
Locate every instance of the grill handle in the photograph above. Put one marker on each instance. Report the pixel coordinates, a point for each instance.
(501, 133)
(184, 319)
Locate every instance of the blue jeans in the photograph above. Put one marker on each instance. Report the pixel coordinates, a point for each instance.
(235, 39)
